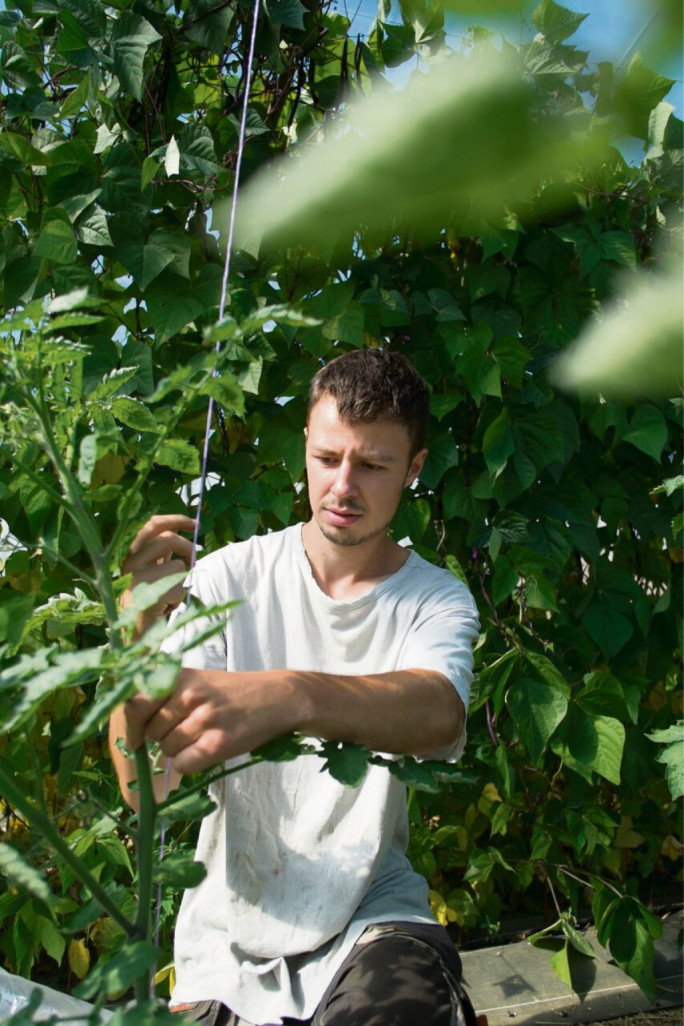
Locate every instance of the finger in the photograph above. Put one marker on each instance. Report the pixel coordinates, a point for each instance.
(208, 749)
(139, 711)
(158, 524)
(160, 548)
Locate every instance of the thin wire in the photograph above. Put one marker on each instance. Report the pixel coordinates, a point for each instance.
(210, 408)
(226, 272)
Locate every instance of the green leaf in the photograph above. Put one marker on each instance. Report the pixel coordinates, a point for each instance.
(15, 868)
(134, 414)
(631, 945)
(347, 763)
(179, 455)
(118, 974)
(57, 242)
(145, 595)
(672, 756)
(610, 629)
(603, 694)
(286, 12)
(281, 749)
(150, 167)
(20, 147)
(577, 939)
(412, 520)
(556, 23)
(537, 710)
(67, 669)
(207, 23)
(548, 671)
(226, 391)
(170, 312)
(388, 175)
(180, 808)
(636, 347)
(498, 443)
(442, 454)
(596, 744)
(637, 94)
(17, 70)
(417, 775)
(648, 431)
(560, 963)
(76, 99)
(132, 38)
(180, 870)
(93, 229)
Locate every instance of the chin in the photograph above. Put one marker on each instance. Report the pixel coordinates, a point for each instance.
(344, 536)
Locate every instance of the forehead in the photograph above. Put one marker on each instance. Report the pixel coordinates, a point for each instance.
(326, 429)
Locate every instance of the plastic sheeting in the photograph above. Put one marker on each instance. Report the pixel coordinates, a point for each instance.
(15, 993)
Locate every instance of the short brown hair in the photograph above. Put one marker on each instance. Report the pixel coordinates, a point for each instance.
(375, 384)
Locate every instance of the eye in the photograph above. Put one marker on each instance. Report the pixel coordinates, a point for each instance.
(373, 466)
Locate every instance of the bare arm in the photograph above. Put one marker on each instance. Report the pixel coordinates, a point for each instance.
(213, 715)
(125, 767)
(156, 551)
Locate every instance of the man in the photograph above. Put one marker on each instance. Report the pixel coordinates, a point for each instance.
(310, 911)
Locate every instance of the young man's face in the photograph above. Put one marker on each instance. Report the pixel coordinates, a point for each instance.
(356, 473)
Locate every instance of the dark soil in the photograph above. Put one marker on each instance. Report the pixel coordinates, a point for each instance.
(658, 1017)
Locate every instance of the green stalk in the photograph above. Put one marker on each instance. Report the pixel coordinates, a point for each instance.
(144, 838)
(144, 835)
(49, 831)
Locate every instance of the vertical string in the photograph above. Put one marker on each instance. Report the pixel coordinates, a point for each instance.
(226, 270)
(247, 83)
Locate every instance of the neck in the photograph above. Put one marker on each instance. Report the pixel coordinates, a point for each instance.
(348, 571)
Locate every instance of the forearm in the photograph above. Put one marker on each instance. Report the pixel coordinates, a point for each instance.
(125, 766)
(214, 715)
(406, 712)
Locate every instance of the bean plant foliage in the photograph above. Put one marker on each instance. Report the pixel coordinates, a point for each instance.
(562, 512)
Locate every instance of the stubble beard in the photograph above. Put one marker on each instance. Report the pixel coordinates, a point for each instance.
(348, 540)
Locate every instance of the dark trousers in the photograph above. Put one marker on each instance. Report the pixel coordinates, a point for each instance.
(397, 974)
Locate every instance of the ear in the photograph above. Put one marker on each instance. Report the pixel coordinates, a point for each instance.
(415, 467)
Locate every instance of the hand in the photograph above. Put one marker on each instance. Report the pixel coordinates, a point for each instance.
(214, 715)
(157, 551)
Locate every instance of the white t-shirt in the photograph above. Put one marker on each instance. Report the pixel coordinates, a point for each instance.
(298, 865)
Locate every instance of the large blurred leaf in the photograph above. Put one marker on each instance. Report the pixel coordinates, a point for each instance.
(458, 140)
(636, 346)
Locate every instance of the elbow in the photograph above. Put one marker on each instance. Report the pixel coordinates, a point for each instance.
(449, 720)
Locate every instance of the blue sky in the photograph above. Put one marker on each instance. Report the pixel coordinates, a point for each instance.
(612, 31)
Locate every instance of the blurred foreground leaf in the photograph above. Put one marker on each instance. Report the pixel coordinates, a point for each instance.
(459, 142)
(636, 347)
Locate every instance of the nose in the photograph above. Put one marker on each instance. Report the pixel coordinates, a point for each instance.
(344, 484)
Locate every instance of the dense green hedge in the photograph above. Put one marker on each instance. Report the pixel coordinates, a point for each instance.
(562, 514)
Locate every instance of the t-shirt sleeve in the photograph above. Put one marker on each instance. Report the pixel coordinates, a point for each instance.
(442, 640)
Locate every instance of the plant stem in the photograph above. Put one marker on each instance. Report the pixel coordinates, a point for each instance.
(50, 833)
(144, 837)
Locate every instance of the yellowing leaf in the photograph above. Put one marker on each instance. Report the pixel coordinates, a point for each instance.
(491, 793)
(627, 836)
(79, 957)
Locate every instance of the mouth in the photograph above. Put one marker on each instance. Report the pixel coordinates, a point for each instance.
(341, 517)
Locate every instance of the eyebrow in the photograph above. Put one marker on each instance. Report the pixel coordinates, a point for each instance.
(370, 456)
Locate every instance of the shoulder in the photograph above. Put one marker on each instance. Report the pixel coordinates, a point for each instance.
(436, 585)
(241, 561)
